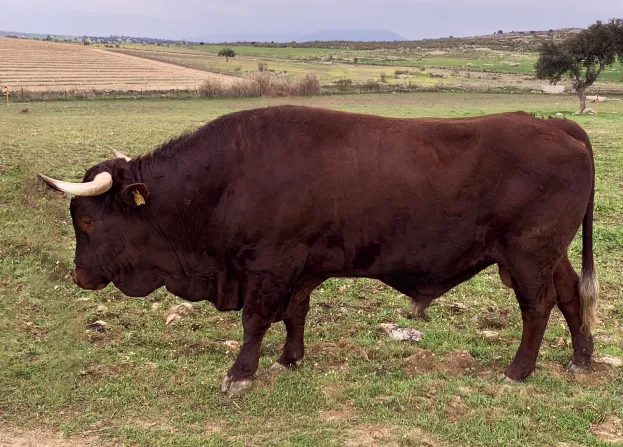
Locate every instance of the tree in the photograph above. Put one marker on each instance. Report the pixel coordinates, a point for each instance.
(582, 57)
(227, 52)
(500, 31)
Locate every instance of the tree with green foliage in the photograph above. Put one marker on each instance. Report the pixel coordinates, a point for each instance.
(227, 53)
(582, 57)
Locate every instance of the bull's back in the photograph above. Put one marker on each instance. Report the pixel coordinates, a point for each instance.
(402, 190)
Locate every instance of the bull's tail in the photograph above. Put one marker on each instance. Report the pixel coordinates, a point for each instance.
(589, 287)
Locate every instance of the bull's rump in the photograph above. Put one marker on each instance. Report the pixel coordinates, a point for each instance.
(368, 195)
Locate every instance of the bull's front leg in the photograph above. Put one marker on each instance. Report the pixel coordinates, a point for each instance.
(294, 320)
(262, 300)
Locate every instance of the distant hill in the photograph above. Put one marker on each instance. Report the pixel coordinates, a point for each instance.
(353, 35)
(341, 34)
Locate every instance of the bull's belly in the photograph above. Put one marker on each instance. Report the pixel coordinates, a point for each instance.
(417, 262)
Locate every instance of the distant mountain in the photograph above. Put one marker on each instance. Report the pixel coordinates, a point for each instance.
(353, 35)
(282, 37)
(324, 35)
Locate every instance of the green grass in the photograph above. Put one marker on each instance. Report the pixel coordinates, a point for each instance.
(295, 60)
(144, 383)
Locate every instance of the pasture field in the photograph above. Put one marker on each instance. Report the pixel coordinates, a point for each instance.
(332, 64)
(142, 382)
(47, 66)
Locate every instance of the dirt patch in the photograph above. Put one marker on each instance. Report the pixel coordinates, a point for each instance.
(370, 435)
(495, 319)
(344, 413)
(456, 409)
(373, 435)
(597, 375)
(456, 363)
(10, 437)
(610, 429)
(423, 439)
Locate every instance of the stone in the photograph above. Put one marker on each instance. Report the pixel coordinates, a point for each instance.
(609, 360)
(401, 334)
(232, 344)
(99, 326)
(176, 312)
(388, 327)
(490, 334)
(458, 307)
(593, 98)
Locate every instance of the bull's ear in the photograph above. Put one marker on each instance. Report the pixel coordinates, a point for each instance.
(135, 194)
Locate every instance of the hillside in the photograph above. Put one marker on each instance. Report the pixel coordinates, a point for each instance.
(514, 41)
(47, 66)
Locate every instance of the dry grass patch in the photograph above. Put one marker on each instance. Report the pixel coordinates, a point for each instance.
(261, 84)
(458, 363)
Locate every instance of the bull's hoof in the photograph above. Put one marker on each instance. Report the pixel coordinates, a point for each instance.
(278, 366)
(235, 387)
(574, 368)
(503, 378)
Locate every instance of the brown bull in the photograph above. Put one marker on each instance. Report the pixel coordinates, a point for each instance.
(257, 208)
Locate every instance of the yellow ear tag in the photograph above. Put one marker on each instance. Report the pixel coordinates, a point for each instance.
(138, 198)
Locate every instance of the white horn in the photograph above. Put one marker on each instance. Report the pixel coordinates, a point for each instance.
(99, 185)
(120, 155)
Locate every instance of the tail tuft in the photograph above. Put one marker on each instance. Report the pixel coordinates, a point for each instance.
(589, 292)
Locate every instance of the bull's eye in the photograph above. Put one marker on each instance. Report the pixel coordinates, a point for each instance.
(86, 223)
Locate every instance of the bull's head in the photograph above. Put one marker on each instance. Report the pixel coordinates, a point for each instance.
(111, 229)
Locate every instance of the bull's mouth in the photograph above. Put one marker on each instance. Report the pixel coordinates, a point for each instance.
(81, 279)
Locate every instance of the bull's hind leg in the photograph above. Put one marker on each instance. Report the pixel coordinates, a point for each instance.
(534, 288)
(566, 282)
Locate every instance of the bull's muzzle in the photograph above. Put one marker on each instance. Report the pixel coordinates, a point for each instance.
(82, 280)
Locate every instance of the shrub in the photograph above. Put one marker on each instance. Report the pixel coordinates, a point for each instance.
(261, 84)
(211, 88)
(262, 66)
(383, 77)
(344, 84)
(370, 85)
(308, 86)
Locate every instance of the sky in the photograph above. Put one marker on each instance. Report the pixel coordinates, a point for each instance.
(288, 19)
